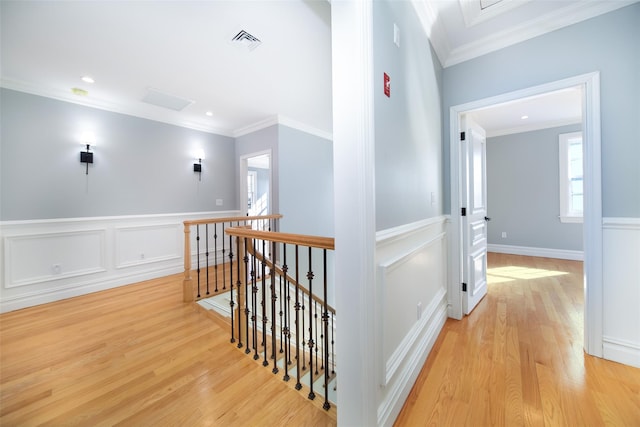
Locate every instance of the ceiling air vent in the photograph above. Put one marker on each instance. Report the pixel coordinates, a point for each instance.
(246, 40)
(164, 100)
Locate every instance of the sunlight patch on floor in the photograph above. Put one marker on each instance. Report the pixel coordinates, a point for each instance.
(510, 273)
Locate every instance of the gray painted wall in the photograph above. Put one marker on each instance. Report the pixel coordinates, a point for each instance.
(523, 191)
(140, 166)
(306, 182)
(610, 44)
(408, 124)
(306, 199)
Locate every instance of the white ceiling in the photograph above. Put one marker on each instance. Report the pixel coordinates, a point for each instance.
(183, 48)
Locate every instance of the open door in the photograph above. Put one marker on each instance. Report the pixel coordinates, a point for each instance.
(255, 183)
(474, 213)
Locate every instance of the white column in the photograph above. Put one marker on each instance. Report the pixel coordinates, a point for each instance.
(353, 148)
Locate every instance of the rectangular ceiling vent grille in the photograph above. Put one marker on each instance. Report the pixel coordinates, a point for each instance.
(246, 40)
(164, 100)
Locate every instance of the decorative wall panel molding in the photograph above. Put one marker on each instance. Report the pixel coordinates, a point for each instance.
(42, 257)
(48, 260)
(412, 305)
(146, 244)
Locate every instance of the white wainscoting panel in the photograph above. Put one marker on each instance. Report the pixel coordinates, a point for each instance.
(148, 243)
(48, 260)
(412, 307)
(36, 258)
(621, 287)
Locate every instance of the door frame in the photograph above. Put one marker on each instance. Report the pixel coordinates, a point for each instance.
(244, 168)
(592, 228)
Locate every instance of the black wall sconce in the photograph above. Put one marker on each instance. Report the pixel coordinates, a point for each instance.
(86, 157)
(197, 167)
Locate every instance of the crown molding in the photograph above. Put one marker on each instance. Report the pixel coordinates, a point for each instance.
(433, 28)
(285, 121)
(563, 17)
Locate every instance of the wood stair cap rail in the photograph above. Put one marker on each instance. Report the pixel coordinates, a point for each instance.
(230, 219)
(294, 239)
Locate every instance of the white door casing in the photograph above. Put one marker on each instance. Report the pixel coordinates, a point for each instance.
(474, 203)
(592, 230)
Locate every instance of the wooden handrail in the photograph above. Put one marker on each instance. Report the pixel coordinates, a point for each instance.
(230, 219)
(293, 239)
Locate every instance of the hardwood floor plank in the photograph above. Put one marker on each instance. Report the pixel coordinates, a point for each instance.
(520, 359)
(135, 356)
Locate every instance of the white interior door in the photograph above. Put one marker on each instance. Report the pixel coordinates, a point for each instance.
(474, 213)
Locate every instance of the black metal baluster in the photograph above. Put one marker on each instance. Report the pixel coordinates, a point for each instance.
(274, 297)
(215, 252)
(281, 314)
(231, 303)
(265, 319)
(304, 337)
(315, 322)
(287, 333)
(312, 395)
(325, 319)
(198, 254)
(238, 284)
(297, 323)
(254, 300)
(206, 252)
(224, 270)
(246, 294)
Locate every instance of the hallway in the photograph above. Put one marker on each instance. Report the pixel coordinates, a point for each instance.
(518, 358)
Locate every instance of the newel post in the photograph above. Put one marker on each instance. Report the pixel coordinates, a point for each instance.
(187, 285)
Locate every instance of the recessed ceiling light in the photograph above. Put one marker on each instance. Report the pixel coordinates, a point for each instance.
(79, 92)
(88, 79)
(209, 113)
(524, 117)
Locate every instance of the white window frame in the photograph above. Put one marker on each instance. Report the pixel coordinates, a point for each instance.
(566, 215)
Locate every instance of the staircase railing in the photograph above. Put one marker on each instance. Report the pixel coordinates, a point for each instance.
(277, 316)
(212, 248)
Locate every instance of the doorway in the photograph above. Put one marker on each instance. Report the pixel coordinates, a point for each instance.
(255, 184)
(592, 236)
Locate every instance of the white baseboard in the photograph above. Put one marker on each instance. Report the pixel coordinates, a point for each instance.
(538, 252)
(391, 407)
(621, 351)
(69, 291)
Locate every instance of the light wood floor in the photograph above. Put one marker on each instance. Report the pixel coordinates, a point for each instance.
(518, 358)
(137, 356)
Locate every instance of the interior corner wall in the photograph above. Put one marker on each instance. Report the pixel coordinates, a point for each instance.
(305, 170)
(523, 193)
(141, 167)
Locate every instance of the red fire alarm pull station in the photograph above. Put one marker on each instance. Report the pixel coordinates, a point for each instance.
(387, 85)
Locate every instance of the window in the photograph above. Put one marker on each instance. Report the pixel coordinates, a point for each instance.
(571, 194)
